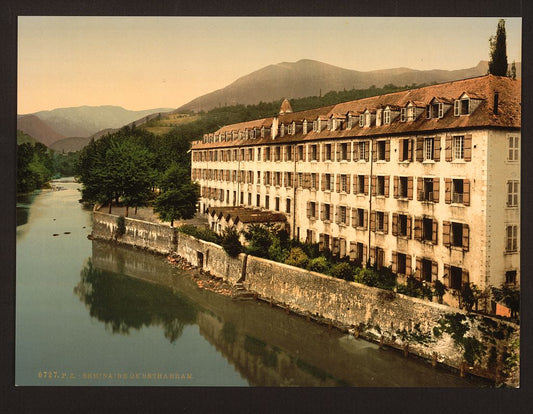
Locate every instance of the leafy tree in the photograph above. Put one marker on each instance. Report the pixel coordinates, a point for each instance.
(297, 257)
(342, 271)
(509, 295)
(513, 70)
(318, 264)
(178, 197)
(259, 238)
(498, 51)
(230, 242)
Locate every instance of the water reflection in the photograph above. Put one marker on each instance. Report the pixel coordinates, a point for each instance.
(24, 202)
(123, 303)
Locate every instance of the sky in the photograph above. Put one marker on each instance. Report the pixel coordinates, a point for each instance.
(164, 62)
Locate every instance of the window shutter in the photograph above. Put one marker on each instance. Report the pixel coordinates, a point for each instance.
(323, 182)
(419, 187)
(436, 149)
(337, 152)
(468, 147)
(418, 228)
(434, 270)
(410, 188)
(448, 148)
(394, 224)
(409, 227)
(464, 277)
(354, 217)
(337, 215)
(355, 151)
(308, 209)
(448, 190)
(286, 179)
(348, 187)
(436, 187)
(410, 150)
(321, 241)
(387, 185)
(394, 262)
(366, 184)
(408, 265)
(456, 108)
(365, 255)
(401, 154)
(447, 277)
(365, 218)
(338, 183)
(348, 151)
(322, 211)
(387, 150)
(420, 149)
(309, 152)
(419, 267)
(466, 237)
(372, 255)
(385, 222)
(466, 192)
(434, 232)
(307, 177)
(395, 186)
(446, 233)
(373, 221)
(367, 152)
(374, 192)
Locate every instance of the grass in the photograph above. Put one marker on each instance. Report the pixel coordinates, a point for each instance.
(167, 122)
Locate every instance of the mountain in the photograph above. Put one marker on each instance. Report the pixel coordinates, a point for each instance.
(39, 130)
(71, 144)
(310, 78)
(84, 121)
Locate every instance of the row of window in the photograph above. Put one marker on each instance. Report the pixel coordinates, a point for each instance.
(436, 108)
(457, 147)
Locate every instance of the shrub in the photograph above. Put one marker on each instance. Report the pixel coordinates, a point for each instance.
(386, 278)
(121, 226)
(509, 295)
(318, 264)
(342, 271)
(297, 257)
(230, 242)
(439, 290)
(276, 251)
(259, 238)
(415, 288)
(367, 277)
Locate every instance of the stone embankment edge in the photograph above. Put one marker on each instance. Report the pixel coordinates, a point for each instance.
(388, 318)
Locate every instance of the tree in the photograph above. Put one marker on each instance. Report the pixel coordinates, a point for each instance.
(178, 196)
(509, 295)
(230, 242)
(498, 51)
(513, 70)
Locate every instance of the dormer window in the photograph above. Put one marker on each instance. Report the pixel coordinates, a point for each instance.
(246, 134)
(368, 118)
(330, 124)
(362, 120)
(435, 110)
(379, 114)
(282, 130)
(315, 126)
(411, 113)
(386, 116)
(403, 115)
(304, 126)
(289, 129)
(462, 106)
(348, 122)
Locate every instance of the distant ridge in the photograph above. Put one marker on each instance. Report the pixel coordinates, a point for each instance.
(37, 129)
(310, 78)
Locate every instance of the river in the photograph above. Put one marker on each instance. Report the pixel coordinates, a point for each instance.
(95, 314)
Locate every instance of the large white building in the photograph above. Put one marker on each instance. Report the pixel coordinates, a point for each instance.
(426, 180)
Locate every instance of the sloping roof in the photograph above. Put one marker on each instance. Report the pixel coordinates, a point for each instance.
(483, 88)
(247, 215)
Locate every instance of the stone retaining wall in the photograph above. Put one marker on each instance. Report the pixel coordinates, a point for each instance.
(481, 345)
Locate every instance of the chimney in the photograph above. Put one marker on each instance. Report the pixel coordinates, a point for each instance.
(495, 103)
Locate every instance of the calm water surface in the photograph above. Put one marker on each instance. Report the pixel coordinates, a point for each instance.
(91, 313)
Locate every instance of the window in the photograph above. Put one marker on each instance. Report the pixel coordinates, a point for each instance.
(314, 152)
(511, 244)
(403, 114)
(309, 237)
(327, 152)
(257, 200)
(258, 177)
(314, 181)
(380, 221)
(343, 218)
(359, 252)
(315, 126)
(267, 154)
(362, 150)
(461, 106)
(427, 194)
(403, 187)
(386, 116)
(300, 180)
(360, 184)
(268, 179)
(405, 150)
(344, 183)
(458, 148)
(362, 120)
(277, 153)
(288, 152)
(428, 148)
(242, 154)
(411, 113)
(381, 150)
(242, 197)
(311, 212)
(277, 203)
(360, 218)
(425, 270)
(435, 110)
(402, 225)
(344, 151)
(512, 193)
(234, 197)
(278, 178)
(328, 182)
(457, 234)
(251, 154)
(457, 191)
(326, 212)
(300, 152)
(427, 229)
(510, 277)
(249, 199)
(288, 206)
(513, 149)
(258, 154)
(456, 277)
(380, 185)
(288, 179)
(267, 202)
(401, 263)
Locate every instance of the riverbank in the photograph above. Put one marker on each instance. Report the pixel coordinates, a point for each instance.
(469, 343)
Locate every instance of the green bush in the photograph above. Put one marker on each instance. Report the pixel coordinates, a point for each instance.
(415, 288)
(202, 233)
(318, 264)
(297, 257)
(367, 277)
(342, 271)
(121, 226)
(230, 242)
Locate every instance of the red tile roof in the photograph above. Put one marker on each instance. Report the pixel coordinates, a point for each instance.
(483, 88)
